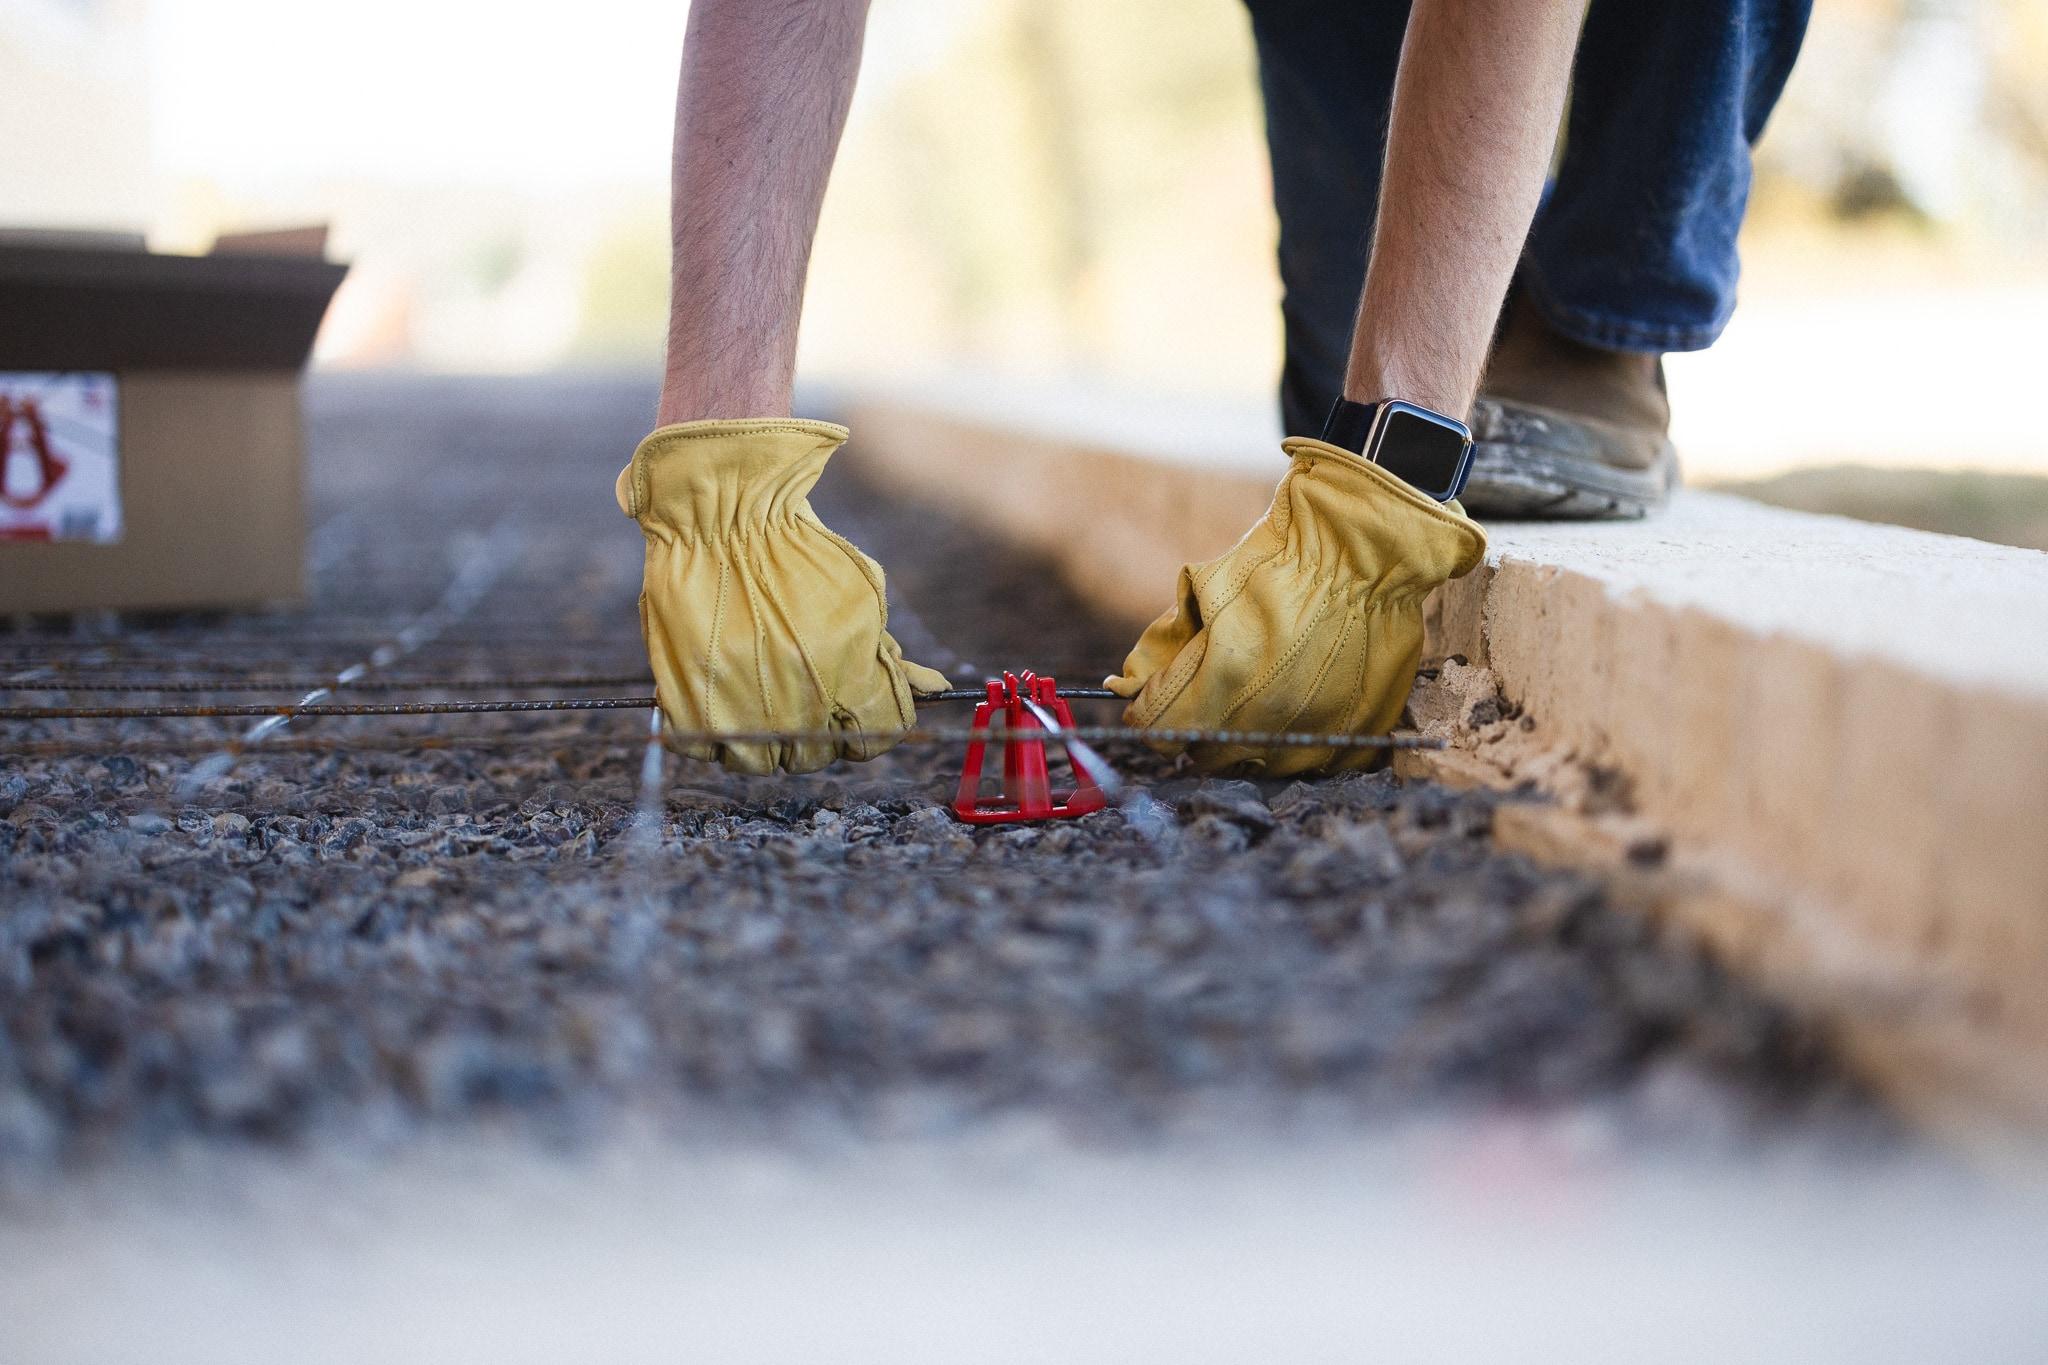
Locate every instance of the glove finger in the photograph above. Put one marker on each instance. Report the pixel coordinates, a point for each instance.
(1148, 710)
(1153, 651)
(1196, 711)
(1350, 676)
(920, 678)
(755, 759)
(862, 745)
(1162, 641)
(1233, 683)
(806, 757)
(1175, 696)
(1144, 662)
(789, 756)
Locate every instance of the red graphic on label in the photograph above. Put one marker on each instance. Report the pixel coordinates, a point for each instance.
(50, 467)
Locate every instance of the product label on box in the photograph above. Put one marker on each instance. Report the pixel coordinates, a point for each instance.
(60, 457)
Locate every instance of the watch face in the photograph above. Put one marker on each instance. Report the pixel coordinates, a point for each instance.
(1428, 451)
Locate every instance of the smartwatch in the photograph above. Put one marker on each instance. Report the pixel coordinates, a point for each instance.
(1426, 450)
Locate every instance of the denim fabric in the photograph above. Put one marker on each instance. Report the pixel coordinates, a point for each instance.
(1634, 247)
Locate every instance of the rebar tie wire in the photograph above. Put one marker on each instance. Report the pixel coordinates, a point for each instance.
(170, 686)
(291, 711)
(1262, 739)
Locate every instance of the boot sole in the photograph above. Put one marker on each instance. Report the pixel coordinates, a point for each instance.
(1527, 463)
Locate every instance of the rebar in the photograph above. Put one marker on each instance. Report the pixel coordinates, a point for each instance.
(170, 686)
(1096, 734)
(233, 710)
(290, 710)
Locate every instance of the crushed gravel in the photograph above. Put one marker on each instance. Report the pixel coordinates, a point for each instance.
(355, 948)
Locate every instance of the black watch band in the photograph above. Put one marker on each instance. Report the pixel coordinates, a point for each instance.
(1420, 446)
(1349, 424)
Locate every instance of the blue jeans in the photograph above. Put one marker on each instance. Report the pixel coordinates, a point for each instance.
(1634, 247)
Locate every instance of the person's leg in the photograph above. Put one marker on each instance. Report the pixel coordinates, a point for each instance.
(1635, 249)
(1633, 253)
(1327, 73)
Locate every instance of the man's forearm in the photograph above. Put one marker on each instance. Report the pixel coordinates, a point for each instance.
(763, 97)
(1476, 106)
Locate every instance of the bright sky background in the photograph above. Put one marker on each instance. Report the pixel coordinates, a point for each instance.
(250, 91)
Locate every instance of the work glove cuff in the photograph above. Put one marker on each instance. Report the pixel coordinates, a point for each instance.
(1343, 512)
(692, 480)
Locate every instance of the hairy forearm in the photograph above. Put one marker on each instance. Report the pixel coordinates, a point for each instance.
(763, 97)
(1476, 106)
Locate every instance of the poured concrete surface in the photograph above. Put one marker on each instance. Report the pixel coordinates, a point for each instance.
(1846, 724)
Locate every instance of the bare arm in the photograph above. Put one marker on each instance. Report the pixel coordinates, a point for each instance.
(763, 96)
(1476, 106)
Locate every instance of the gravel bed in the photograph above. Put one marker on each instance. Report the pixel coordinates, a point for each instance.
(363, 947)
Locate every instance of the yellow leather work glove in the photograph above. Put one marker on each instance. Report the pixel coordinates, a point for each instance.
(756, 616)
(1312, 622)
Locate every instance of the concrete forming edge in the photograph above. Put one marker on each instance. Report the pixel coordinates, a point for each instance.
(1834, 735)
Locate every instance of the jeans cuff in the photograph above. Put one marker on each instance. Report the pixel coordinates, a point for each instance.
(1610, 332)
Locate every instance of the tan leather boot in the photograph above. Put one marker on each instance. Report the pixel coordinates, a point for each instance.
(1562, 429)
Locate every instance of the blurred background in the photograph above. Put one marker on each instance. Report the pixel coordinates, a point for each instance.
(1053, 191)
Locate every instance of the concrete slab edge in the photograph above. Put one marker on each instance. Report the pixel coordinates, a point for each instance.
(1864, 835)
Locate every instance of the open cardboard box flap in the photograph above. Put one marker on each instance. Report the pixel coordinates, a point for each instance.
(204, 354)
(254, 303)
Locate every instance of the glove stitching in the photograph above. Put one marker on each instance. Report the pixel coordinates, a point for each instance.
(711, 647)
(1315, 684)
(1176, 677)
(1279, 517)
(1374, 602)
(1161, 643)
(716, 428)
(867, 567)
(848, 723)
(1310, 760)
(1187, 661)
(1173, 679)
(661, 441)
(1281, 520)
(872, 572)
(1214, 587)
(1278, 665)
(1311, 450)
(761, 652)
(735, 532)
(803, 648)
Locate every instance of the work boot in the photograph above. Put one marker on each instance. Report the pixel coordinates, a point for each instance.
(1562, 429)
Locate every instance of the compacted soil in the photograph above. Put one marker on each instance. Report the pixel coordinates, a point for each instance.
(330, 939)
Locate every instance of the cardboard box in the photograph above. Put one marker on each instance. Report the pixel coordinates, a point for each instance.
(151, 446)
